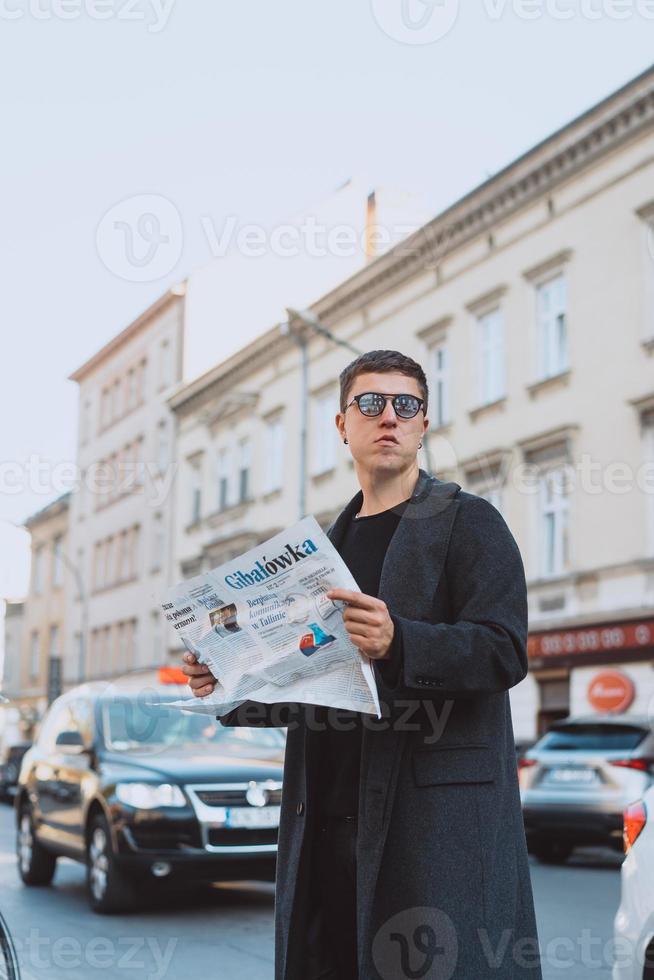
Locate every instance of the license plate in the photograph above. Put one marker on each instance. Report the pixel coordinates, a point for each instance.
(253, 817)
(573, 774)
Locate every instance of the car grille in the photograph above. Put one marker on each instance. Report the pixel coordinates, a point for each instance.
(232, 797)
(158, 841)
(236, 837)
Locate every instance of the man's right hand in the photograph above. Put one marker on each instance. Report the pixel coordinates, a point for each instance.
(201, 680)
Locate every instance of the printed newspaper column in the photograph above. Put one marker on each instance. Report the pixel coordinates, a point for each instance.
(267, 631)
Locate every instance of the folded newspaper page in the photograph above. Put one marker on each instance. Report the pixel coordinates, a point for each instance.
(267, 631)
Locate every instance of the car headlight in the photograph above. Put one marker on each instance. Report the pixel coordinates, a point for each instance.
(147, 796)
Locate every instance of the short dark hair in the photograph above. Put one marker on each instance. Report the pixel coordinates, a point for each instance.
(382, 362)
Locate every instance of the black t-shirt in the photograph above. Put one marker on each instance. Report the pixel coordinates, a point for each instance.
(363, 550)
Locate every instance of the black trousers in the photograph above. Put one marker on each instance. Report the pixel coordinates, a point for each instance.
(331, 939)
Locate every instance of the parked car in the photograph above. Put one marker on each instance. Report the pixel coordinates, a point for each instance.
(9, 769)
(578, 778)
(142, 792)
(634, 921)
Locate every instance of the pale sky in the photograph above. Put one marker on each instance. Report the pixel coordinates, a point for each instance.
(252, 110)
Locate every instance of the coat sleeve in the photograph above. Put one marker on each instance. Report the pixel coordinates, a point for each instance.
(256, 714)
(484, 649)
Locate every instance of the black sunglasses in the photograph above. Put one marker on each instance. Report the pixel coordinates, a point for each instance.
(372, 403)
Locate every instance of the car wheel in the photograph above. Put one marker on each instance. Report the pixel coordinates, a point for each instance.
(108, 888)
(552, 852)
(36, 866)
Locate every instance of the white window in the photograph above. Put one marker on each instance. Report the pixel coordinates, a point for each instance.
(133, 537)
(554, 531)
(37, 574)
(158, 652)
(57, 561)
(109, 560)
(131, 388)
(244, 466)
(439, 382)
(274, 456)
(105, 408)
(490, 357)
(116, 406)
(34, 654)
(323, 436)
(122, 559)
(551, 327)
(223, 471)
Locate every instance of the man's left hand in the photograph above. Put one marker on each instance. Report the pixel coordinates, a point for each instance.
(367, 621)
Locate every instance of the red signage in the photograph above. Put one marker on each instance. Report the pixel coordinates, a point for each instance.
(607, 638)
(611, 691)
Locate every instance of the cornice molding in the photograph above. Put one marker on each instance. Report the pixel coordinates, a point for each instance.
(544, 168)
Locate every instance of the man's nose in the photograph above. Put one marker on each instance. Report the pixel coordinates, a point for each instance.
(388, 415)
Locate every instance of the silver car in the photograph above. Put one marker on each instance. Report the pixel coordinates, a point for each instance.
(576, 781)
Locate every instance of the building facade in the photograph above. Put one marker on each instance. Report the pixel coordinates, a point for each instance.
(121, 515)
(530, 302)
(34, 649)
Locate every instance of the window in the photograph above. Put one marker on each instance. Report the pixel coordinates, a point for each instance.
(554, 540)
(131, 389)
(648, 470)
(196, 493)
(158, 542)
(551, 327)
(108, 561)
(163, 447)
(105, 408)
(122, 560)
(37, 574)
(165, 364)
(274, 456)
(134, 535)
(158, 652)
(85, 422)
(244, 464)
(34, 654)
(140, 382)
(323, 439)
(439, 383)
(116, 407)
(53, 647)
(490, 357)
(223, 466)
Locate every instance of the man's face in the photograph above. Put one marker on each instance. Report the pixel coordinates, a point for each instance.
(383, 443)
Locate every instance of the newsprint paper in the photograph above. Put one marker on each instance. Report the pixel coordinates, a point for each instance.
(265, 628)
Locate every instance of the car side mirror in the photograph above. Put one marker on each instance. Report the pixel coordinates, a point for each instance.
(70, 742)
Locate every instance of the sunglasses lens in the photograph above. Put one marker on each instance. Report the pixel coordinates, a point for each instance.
(371, 404)
(406, 406)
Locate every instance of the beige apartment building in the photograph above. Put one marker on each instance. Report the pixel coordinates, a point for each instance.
(35, 630)
(530, 302)
(120, 517)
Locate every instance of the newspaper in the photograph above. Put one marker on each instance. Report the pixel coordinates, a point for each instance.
(264, 626)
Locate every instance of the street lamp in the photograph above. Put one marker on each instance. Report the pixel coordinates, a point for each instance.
(307, 321)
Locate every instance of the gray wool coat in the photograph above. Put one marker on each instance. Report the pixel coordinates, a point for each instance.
(443, 885)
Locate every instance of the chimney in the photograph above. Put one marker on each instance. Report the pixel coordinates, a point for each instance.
(371, 221)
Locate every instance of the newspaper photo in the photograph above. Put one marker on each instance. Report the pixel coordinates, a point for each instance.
(265, 628)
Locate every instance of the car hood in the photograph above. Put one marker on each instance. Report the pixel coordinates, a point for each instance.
(193, 766)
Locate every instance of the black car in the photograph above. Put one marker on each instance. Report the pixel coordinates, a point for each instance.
(143, 792)
(9, 769)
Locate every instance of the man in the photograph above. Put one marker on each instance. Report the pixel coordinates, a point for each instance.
(401, 847)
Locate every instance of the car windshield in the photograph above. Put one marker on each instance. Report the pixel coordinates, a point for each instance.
(131, 724)
(593, 737)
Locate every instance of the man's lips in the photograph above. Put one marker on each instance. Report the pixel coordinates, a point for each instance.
(387, 440)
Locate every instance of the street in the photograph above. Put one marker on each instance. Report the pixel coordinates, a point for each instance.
(226, 931)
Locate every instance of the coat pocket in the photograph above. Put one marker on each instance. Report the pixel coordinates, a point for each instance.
(444, 765)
